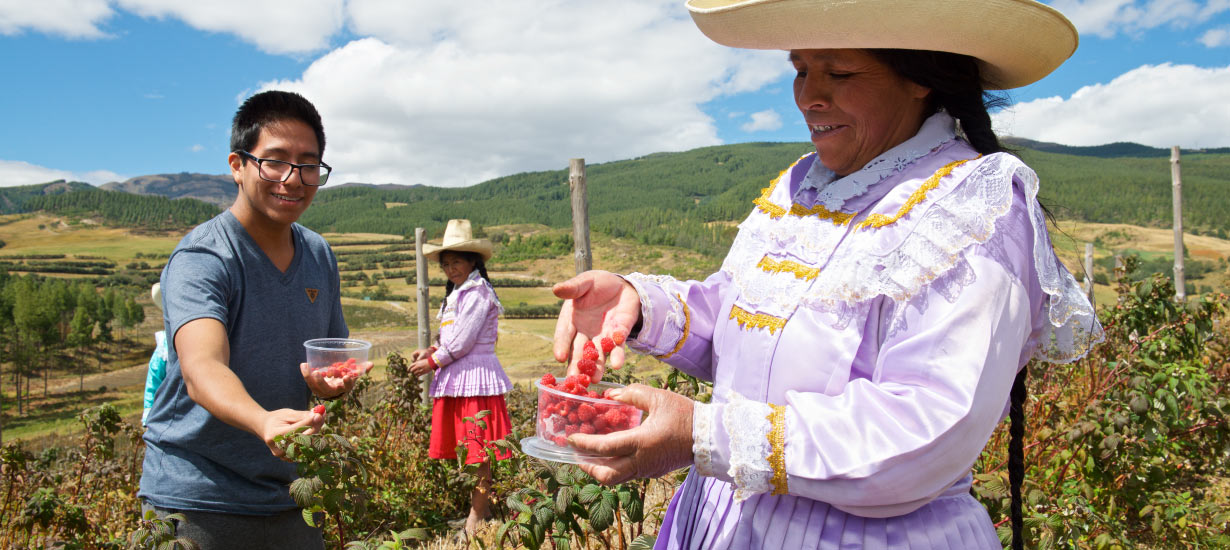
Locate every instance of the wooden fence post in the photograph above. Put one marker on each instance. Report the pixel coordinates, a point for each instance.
(580, 215)
(1089, 272)
(420, 274)
(1176, 183)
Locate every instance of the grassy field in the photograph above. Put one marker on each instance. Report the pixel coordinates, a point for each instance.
(524, 346)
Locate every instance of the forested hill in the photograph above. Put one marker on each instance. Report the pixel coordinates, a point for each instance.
(78, 200)
(1109, 150)
(673, 198)
(669, 196)
(218, 190)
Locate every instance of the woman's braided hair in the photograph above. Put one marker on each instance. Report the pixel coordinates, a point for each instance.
(956, 87)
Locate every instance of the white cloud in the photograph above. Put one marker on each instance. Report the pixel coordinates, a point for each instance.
(1139, 106)
(1216, 37)
(275, 26)
(68, 18)
(763, 121)
(197, 148)
(454, 94)
(16, 172)
(1106, 18)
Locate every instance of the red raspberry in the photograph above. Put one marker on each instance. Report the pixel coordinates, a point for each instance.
(587, 367)
(587, 429)
(619, 337)
(600, 424)
(548, 380)
(573, 417)
(319, 409)
(589, 352)
(616, 419)
(572, 379)
(583, 381)
(586, 412)
(607, 345)
(592, 394)
(352, 361)
(571, 429)
(606, 394)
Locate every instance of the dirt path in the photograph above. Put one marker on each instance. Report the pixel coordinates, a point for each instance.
(128, 376)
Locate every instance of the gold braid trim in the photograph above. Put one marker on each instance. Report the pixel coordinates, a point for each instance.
(687, 326)
(777, 441)
(800, 271)
(819, 211)
(880, 220)
(446, 323)
(756, 320)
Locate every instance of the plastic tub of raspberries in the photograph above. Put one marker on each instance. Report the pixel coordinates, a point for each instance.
(575, 405)
(337, 356)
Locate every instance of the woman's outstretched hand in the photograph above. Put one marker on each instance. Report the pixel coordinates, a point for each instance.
(660, 445)
(597, 304)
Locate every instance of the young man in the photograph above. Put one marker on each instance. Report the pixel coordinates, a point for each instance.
(241, 293)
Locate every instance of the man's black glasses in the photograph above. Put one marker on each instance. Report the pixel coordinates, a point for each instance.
(280, 170)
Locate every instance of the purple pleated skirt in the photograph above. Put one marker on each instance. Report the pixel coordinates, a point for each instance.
(704, 515)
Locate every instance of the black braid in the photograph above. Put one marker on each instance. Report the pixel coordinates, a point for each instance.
(481, 266)
(955, 82)
(1016, 455)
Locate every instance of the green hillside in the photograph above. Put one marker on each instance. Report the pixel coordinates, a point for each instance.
(80, 200)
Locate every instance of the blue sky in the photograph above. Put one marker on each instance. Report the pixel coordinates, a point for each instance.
(450, 94)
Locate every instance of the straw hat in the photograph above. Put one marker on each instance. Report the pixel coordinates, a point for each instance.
(460, 238)
(1017, 41)
(155, 292)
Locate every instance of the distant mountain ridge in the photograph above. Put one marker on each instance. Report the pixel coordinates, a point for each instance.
(1109, 150)
(218, 190)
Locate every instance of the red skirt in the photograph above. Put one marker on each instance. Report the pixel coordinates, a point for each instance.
(448, 430)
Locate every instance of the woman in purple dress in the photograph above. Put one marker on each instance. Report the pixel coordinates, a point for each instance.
(871, 323)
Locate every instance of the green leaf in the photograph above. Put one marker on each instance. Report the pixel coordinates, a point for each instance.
(601, 515)
(516, 503)
(643, 542)
(563, 498)
(589, 494)
(544, 514)
(307, 517)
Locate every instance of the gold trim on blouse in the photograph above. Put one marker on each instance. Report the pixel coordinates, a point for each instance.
(777, 441)
(750, 320)
(800, 271)
(446, 323)
(766, 205)
(687, 326)
(880, 220)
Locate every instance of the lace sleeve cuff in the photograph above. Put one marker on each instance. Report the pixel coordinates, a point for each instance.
(664, 318)
(757, 446)
(704, 445)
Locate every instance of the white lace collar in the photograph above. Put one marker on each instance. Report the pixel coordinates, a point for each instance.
(833, 193)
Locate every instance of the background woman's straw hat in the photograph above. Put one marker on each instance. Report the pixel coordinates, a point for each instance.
(155, 292)
(1017, 41)
(458, 237)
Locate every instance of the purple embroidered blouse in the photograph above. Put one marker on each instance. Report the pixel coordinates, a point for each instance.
(862, 337)
(469, 323)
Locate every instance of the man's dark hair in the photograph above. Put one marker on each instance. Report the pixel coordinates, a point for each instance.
(270, 107)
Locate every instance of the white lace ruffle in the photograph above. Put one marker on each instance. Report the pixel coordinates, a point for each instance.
(748, 426)
(703, 443)
(672, 326)
(936, 130)
(475, 279)
(870, 264)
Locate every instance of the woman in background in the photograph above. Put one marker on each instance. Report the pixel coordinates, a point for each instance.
(468, 375)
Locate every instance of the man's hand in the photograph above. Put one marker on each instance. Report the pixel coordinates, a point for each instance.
(328, 388)
(283, 421)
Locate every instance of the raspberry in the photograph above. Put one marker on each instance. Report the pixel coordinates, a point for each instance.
(587, 367)
(571, 429)
(606, 394)
(319, 409)
(573, 418)
(600, 424)
(592, 394)
(572, 379)
(548, 380)
(583, 381)
(586, 412)
(619, 337)
(607, 345)
(587, 429)
(589, 352)
(616, 419)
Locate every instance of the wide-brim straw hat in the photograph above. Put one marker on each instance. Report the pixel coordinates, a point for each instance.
(458, 237)
(1016, 41)
(155, 292)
